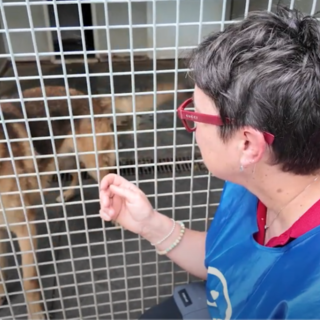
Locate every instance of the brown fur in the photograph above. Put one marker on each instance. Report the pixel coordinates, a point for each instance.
(80, 107)
(9, 184)
(60, 127)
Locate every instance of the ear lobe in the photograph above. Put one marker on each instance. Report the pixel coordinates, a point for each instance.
(252, 146)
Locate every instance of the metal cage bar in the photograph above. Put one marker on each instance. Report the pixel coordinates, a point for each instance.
(98, 269)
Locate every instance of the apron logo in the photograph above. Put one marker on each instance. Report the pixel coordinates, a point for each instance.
(220, 300)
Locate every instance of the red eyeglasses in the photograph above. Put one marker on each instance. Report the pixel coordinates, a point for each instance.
(189, 118)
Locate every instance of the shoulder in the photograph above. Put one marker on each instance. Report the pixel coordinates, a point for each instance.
(235, 201)
(234, 195)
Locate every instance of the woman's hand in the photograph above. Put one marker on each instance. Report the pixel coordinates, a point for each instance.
(122, 202)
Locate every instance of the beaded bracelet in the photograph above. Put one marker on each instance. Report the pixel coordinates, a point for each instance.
(167, 236)
(176, 242)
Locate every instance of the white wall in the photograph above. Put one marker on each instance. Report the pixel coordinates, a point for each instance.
(17, 17)
(189, 12)
(142, 13)
(118, 15)
(239, 5)
(2, 50)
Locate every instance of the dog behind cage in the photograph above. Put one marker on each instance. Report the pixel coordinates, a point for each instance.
(18, 175)
(20, 186)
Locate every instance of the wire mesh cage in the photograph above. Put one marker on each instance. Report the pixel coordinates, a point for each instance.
(86, 88)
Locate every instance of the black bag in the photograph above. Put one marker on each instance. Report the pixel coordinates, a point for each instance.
(191, 300)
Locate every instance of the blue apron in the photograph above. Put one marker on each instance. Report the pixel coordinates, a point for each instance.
(250, 281)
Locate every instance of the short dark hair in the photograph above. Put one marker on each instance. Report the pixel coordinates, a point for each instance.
(264, 72)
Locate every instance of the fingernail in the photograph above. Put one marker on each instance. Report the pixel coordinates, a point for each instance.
(104, 216)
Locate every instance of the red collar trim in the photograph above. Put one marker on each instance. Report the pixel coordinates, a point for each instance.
(305, 223)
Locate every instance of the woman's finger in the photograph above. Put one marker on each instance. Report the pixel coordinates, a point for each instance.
(106, 216)
(105, 199)
(112, 179)
(124, 192)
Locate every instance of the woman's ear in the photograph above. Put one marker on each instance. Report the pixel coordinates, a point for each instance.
(252, 146)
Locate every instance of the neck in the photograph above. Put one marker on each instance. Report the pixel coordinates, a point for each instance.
(286, 195)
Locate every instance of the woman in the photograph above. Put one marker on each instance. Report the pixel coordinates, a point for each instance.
(257, 116)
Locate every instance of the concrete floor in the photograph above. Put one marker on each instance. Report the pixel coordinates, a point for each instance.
(103, 280)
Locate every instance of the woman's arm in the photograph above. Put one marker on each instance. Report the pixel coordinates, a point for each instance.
(189, 254)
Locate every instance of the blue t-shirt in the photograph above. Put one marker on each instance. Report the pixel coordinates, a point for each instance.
(249, 281)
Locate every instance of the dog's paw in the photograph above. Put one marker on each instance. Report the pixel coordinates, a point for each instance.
(37, 313)
(59, 199)
(67, 195)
